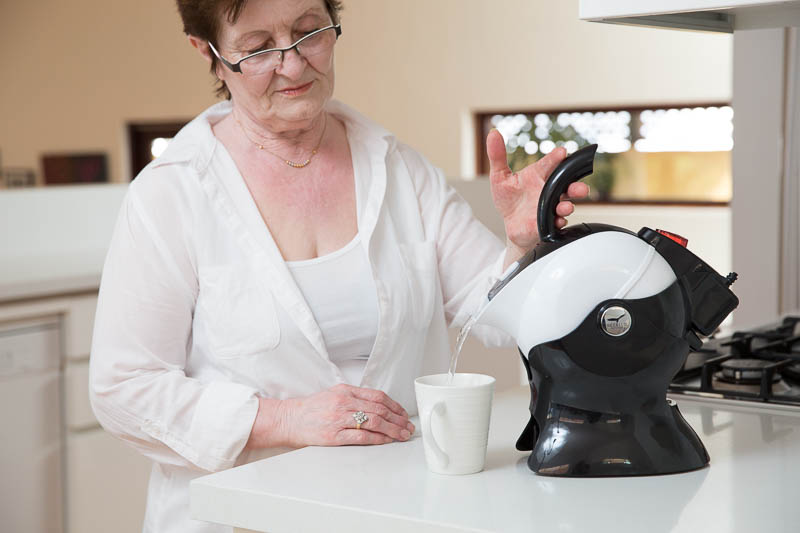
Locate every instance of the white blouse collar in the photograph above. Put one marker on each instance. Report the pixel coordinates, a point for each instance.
(197, 146)
(195, 141)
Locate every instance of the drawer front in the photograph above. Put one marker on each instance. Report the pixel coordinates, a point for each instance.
(78, 326)
(106, 484)
(29, 348)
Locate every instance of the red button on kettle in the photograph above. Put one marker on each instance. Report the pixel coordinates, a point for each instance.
(683, 241)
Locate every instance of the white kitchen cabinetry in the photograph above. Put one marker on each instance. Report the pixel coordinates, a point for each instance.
(31, 442)
(703, 15)
(104, 481)
(106, 484)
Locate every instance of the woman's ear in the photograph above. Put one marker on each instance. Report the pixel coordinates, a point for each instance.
(202, 46)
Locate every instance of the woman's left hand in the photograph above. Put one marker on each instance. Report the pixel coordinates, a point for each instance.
(516, 195)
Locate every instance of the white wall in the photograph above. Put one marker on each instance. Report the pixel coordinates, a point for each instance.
(75, 72)
(419, 66)
(707, 228)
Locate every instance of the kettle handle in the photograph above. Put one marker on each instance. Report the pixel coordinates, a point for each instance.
(570, 170)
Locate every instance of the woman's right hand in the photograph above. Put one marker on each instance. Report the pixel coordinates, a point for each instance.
(326, 419)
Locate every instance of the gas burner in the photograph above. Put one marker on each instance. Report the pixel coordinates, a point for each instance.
(744, 371)
(760, 365)
(791, 372)
(779, 387)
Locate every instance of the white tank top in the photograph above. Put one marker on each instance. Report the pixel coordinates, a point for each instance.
(340, 292)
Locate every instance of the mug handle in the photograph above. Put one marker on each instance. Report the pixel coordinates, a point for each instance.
(427, 413)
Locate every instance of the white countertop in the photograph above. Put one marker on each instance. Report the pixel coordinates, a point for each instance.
(53, 240)
(752, 484)
(43, 275)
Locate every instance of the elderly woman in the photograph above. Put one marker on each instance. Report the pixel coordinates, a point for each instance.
(282, 273)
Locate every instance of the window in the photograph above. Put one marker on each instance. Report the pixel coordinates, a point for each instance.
(674, 154)
(148, 140)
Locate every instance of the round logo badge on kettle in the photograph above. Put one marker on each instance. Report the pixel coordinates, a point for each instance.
(616, 321)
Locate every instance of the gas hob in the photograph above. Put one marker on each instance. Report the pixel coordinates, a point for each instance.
(758, 365)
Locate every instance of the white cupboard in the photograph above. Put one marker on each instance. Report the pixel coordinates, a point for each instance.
(702, 15)
(31, 442)
(102, 484)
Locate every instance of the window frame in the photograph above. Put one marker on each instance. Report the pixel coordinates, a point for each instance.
(482, 117)
(141, 135)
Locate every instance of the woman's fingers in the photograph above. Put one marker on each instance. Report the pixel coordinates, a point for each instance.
(386, 419)
(547, 164)
(496, 150)
(380, 420)
(377, 396)
(361, 437)
(565, 207)
(379, 410)
(578, 190)
(575, 191)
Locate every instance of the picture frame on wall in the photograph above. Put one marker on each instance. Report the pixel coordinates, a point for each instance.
(62, 169)
(14, 178)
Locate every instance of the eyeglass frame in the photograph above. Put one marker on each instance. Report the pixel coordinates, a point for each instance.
(235, 67)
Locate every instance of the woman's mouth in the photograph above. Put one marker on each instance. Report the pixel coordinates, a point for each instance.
(296, 91)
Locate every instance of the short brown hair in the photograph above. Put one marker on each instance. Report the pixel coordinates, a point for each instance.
(201, 19)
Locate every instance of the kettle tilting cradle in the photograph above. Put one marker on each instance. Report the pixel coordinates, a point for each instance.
(604, 318)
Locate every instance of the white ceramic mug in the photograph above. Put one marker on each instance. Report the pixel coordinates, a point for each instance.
(455, 421)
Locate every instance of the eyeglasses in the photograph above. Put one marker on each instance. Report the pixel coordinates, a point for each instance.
(316, 43)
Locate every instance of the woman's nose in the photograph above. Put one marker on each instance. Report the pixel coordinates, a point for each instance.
(292, 65)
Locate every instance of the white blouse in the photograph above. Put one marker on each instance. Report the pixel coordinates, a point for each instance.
(340, 293)
(198, 313)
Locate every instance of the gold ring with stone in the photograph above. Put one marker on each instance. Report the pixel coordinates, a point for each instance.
(360, 417)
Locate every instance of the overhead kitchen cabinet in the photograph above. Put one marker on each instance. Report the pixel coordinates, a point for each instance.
(701, 15)
(765, 209)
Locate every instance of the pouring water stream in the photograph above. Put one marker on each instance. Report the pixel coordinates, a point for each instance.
(462, 336)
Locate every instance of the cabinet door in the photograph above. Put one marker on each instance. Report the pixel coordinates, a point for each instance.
(30, 438)
(106, 484)
(30, 454)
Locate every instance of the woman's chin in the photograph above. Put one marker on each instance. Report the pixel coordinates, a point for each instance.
(298, 109)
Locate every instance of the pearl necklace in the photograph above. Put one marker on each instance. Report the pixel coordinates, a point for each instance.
(289, 162)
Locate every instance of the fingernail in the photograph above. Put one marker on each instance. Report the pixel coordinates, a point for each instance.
(410, 427)
(405, 434)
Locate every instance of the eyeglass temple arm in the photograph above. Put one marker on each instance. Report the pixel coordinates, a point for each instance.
(232, 66)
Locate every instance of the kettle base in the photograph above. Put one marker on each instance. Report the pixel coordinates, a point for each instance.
(599, 402)
(610, 445)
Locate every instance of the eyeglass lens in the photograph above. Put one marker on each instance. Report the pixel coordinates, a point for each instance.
(313, 45)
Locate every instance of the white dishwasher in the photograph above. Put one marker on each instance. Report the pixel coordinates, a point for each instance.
(30, 414)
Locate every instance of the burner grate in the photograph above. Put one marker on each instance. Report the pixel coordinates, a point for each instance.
(749, 365)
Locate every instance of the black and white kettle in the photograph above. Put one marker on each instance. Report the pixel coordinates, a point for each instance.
(604, 318)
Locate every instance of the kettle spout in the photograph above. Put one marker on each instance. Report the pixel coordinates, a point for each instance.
(503, 306)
